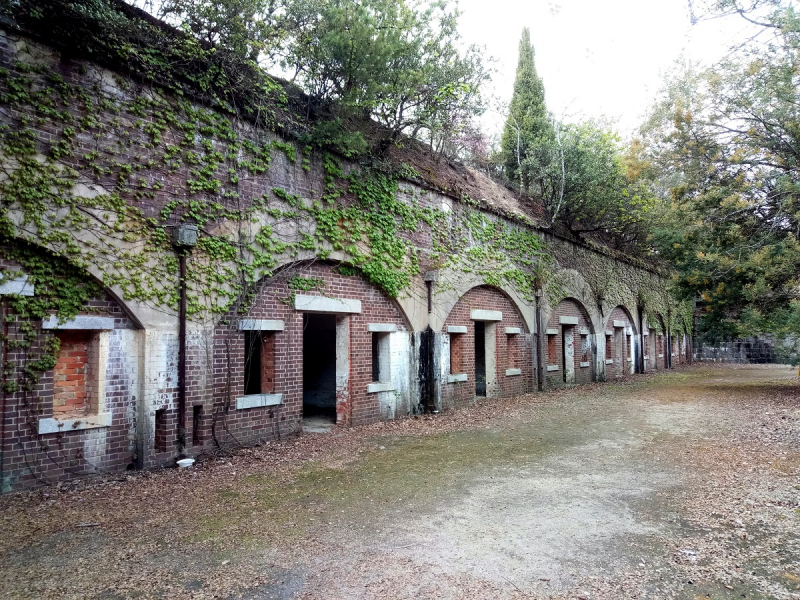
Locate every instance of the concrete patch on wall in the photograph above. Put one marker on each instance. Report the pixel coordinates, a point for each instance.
(324, 304)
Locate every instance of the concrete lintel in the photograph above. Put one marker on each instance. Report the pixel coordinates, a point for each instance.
(553, 367)
(609, 361)
(381, 327)
(261, 325)
(568, 320)
(457, 378)
(380, 387)
(513, 330)
(323, 304)
(457, 329)
(551, 331)
(18, 286)
(80, 322)
(619, 324)
(585, 364)
(584, 331)
(660, 356)
(63, 425)
(512, 372)
(486, 315)
(258, 400)
(609, 332)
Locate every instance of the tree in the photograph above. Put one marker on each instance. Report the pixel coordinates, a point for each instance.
(399, 62)
(589, 188)
(728, 139)
(528, 125)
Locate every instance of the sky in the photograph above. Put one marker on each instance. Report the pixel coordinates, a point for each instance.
(596, 58)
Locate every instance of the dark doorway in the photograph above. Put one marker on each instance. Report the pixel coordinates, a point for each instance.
(480, 358)
(563, 355)
(319, 366)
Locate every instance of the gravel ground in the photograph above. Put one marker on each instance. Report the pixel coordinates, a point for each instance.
(683, 485)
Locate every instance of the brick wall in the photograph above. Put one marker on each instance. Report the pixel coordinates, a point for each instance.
(519, 356)
(620, 344)
(273, 302)
(583, 347)
(29, 457)
(72, 374)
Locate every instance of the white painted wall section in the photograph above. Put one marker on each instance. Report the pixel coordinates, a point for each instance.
(323, 304)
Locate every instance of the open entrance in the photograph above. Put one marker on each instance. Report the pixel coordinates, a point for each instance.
(480, 358)
(568, 353)
(319, 366)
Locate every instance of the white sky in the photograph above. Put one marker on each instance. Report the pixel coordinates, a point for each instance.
(596, 58)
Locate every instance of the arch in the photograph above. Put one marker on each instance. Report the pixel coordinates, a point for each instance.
(312, 346)
(499, 290)
(620, 342)
(570, 350)
(654, 330)
(446, 297)
(486, 348)
(284, 272)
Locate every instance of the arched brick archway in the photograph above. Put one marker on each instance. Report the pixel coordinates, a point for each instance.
(569, 347)
(336, 346)
(620, 333)
(655, 343)
(486, 349)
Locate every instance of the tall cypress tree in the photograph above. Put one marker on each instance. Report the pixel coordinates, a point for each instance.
(528, 125)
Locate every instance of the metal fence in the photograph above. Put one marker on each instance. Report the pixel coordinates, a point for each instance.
(754, 350)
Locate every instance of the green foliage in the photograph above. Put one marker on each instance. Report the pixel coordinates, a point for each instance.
(528, 125)
(218, 76)
(589, 188)
(395, 61)
(576, 171)
(725, 141)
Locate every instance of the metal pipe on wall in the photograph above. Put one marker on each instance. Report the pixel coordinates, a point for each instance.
(182, 354)
(184, 238)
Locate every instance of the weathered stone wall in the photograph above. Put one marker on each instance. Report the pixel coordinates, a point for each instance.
(754, 350)
(472, 257)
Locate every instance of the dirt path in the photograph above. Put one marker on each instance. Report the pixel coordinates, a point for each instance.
(685, 485)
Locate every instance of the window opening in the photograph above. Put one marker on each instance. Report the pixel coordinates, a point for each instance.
(381, 370)
(456, 352)
(511, 351)
(480, 358)
(259, 362)
(551, 349)
(252, 362)
(75, 375)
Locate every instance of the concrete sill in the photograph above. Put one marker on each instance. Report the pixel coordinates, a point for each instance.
(61, 425)
(512, 372)
(258, 401)
(380, 387)
(629, 360)
(660, 356)
(609, 361)
(585, 364)
(457, 378)
(553, 367)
